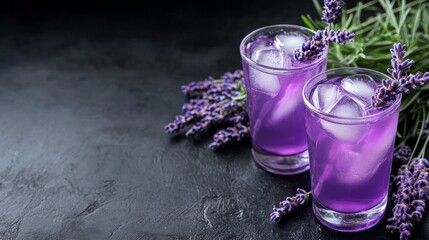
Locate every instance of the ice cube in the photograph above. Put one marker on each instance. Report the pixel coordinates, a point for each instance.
(289, 42)
(360, 86)
(261, 81)
(268, 56)
(264, 82)
(346, 133)
(354, 164)
(288, 103)
(325, 96)
(345, 107)
(354, 167)
(360, 162)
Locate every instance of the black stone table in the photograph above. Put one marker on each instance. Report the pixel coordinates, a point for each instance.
(85, 91)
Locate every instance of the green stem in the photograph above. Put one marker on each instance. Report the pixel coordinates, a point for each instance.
(218, 80)
(419, 137)
(239, 97)
(404, 140)
(409, 102)
(423, 151)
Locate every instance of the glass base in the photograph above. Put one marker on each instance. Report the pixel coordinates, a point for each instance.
(349, 222)
(282, 165)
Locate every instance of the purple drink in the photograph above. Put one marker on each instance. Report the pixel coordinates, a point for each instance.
(274, 80)
(350, 147)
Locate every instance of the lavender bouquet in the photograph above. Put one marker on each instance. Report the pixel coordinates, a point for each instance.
(211, 103)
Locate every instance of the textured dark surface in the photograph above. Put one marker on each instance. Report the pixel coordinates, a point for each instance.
(84, 95)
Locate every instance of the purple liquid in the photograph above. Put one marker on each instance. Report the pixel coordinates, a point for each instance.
(350, 164)
(276, 110)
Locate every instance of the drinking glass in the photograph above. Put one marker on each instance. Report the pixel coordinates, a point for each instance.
(350, 147)
(274, 79)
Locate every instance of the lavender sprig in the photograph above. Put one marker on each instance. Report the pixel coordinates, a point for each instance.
(315, 46)
(401, 81)
(229, 135)
(289, 205)
(212, 102)
(410, 197)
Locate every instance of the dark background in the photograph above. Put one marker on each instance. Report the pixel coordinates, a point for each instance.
(85, 91)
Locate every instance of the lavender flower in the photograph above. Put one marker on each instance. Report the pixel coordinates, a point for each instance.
(400, 66)
(331, 10)
(289, 205)
(410, 197)
(401, 81)
(314, 47)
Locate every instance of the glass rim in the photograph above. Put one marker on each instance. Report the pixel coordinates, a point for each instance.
(265, 68)
(348, 120)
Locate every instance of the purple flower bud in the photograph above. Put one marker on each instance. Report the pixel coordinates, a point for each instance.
(405, 235)
(171, 128)
(331, 10)
(417, 216)
(421, 183)
(276, 215)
